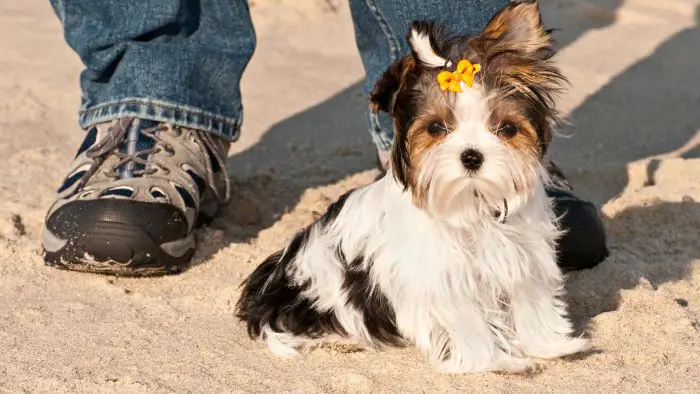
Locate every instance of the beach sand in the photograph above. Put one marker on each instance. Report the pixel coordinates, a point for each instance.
(633, 148)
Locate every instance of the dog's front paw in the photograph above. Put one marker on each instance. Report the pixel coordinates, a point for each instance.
(503, 363)
(512, 364)
(560, 348)
(283, 344)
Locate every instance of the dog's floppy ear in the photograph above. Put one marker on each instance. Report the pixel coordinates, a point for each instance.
(519, 26)
(383, 96)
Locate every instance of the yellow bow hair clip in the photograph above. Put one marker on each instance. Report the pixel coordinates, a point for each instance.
(465, 71)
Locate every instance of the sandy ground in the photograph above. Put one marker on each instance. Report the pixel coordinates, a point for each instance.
(634, 151)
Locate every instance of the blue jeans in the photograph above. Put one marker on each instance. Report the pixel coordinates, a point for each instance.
(180, 61)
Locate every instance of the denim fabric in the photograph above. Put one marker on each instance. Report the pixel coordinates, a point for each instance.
(176, 61)
(180, 61)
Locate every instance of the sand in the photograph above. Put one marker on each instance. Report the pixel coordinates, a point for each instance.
(633, 148)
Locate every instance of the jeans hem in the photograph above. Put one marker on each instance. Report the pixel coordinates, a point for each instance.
(167, 112)
(379, 137)
(383, 138)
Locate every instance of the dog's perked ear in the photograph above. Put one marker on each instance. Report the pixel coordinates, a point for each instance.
(519, 25)
(383, 96)
(516, 52)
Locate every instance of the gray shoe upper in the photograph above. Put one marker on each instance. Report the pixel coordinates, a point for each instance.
(149, 162)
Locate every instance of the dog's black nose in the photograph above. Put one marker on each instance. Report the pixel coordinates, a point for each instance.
(472, 159)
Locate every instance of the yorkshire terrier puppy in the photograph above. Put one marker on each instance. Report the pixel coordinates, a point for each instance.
(453, 250)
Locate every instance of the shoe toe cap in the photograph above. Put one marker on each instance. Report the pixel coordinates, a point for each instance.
(161, 222)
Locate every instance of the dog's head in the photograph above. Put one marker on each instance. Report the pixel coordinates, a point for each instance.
(485, 143)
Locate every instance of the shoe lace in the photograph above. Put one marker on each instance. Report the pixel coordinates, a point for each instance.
(116, 135)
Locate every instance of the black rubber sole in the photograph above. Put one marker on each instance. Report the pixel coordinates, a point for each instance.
(118, 249)
(584, 244)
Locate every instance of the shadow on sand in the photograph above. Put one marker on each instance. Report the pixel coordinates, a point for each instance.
(655, 102)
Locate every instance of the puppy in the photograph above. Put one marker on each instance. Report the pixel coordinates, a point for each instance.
(453, 250)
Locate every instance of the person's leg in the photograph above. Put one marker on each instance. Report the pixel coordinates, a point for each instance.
(175, 61)
(381, 27)
(160, 103)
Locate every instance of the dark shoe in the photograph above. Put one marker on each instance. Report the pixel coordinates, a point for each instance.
(584, 244)
(132, 197)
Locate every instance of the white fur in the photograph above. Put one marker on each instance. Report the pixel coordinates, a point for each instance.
(426, 54)
(472, 293)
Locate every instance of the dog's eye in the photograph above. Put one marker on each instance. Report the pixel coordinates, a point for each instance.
(507, 131)
(437, 128)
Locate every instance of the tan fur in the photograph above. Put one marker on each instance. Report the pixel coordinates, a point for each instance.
(513, 47)
(436, 109)
(520, 20)
(507, 111)
(420, 142)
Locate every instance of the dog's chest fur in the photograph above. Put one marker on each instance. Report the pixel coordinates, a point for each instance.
(422, 268)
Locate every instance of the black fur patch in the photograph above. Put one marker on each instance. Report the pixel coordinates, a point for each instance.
(378, 313)
(270, 296)
(404, 114)
(383, 95)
